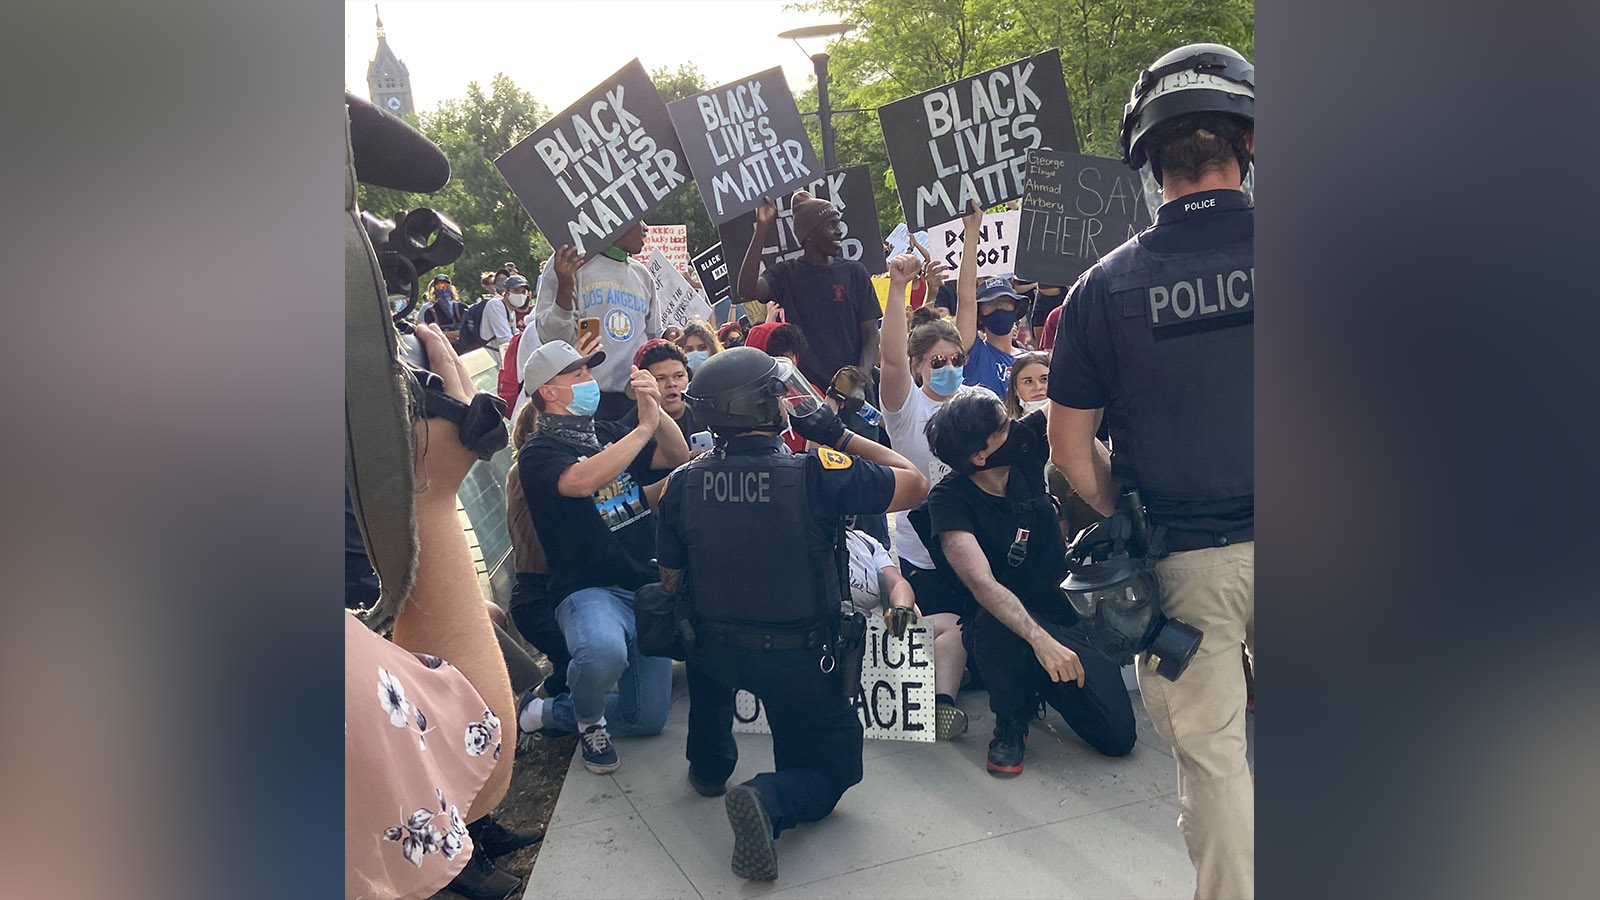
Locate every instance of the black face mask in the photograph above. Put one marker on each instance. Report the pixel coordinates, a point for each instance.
(1019, 442)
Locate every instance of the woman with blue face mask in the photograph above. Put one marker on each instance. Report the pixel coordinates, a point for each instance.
(699, 343)
(920, 373)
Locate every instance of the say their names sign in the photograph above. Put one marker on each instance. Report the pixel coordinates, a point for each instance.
(600, 165)
(849, 189)
(968, 140)
(997, 244)
(895, 698)
(1075, 209)
(713, 272)
(744, 141)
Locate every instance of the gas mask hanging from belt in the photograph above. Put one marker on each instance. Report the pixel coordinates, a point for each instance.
(1113, 588)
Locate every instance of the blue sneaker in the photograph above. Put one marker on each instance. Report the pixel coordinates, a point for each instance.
(599, 756)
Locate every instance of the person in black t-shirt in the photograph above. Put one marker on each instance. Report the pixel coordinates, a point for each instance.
(998, 531)
(830, 299)
(584, 483)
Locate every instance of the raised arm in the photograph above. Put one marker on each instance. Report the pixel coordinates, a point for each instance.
(752, 285)
(967, 278)
(896, 368)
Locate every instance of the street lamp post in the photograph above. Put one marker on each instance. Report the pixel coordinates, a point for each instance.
(820, 62)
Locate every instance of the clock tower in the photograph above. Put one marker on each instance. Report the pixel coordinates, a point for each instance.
(388, 82)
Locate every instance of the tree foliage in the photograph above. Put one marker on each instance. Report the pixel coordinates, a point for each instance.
(898, 50)
(684, 205)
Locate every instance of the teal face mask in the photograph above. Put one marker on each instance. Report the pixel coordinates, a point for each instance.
(946, 380)
(696, 357)
(585, 398)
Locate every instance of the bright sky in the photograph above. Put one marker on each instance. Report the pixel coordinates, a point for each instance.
(558, 50)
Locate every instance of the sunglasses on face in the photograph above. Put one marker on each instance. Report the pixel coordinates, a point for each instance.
(939, 362)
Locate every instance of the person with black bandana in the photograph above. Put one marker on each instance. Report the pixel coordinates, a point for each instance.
(1158, 338)
(997, 529)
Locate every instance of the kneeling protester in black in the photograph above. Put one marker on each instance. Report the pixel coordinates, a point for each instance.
(998, 531)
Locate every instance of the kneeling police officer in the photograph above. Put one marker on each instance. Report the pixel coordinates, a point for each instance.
(751, 536)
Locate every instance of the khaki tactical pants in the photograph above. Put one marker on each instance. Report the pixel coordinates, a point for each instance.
(1202, 714)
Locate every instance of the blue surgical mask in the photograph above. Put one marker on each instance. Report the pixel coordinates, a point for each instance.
(1001, 321)
(445, 294)
(585, 398)
(696, 357)
(946, 380)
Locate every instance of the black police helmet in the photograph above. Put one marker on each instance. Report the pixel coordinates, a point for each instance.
(736, 390)
(1196, 78)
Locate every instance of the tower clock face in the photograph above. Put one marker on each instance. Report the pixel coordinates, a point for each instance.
(394, 104)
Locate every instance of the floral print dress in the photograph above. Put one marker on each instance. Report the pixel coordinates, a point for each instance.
(419, 745)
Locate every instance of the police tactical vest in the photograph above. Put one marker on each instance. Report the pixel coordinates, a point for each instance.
(1182, 327)
(758, 561)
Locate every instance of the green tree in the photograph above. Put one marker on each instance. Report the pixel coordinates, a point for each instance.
(896, 51)
(472, 132)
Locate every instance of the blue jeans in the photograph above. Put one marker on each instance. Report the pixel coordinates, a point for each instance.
(598, 625)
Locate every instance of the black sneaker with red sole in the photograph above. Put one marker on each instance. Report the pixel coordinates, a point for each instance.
(1006, 750)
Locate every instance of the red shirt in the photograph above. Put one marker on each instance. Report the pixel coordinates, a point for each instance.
(1047, 339)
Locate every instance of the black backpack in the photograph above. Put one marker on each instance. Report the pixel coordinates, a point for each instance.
(471, 337)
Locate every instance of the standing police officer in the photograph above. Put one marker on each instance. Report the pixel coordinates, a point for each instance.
(1157, 336)
(751, 532)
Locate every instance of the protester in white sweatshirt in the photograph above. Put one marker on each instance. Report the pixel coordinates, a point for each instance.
(610, 286)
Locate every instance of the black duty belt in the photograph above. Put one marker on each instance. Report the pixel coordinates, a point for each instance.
(758, 640)
(1179, 540)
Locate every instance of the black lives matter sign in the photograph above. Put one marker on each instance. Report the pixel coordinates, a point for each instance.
(599, 166)
(969, 139)
(744, 141)
(1075, 209)
(850, 189)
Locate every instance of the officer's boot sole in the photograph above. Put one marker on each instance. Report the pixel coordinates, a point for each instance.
(755, 854)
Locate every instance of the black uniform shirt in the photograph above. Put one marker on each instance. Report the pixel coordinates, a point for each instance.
(836, 485)
(828, 304)
(1083, 372)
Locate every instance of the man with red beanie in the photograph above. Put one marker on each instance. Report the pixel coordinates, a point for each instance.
(829, 298)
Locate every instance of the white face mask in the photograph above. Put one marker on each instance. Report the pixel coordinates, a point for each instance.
(516, 299)
(1029, 406)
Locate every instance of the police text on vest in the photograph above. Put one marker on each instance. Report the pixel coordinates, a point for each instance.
(1203, 297)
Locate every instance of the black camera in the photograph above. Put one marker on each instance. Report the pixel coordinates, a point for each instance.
(410, 246)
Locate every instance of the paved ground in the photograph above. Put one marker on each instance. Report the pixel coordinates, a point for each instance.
(926, 821)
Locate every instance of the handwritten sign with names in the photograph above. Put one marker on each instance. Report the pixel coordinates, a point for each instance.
(1075, 209)
(969, 139)
(895, 698)
(744, 141)
(600, 165)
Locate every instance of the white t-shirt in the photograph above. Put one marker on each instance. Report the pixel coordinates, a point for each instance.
(905, 432)
(868, 559)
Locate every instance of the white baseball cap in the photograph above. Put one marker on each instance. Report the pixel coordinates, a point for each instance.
(555, 358)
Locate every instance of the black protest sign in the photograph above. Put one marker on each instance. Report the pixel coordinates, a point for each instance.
(850, 189)
(599, 166)
(1075, 209)
(744, 141)
(712, 270)
(969, 139)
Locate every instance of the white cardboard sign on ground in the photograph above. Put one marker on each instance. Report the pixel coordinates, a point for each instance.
(997, 244)
(895, 700)
(680, 302)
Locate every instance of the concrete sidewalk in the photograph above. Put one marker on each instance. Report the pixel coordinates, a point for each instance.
(926, 821)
